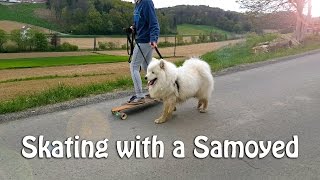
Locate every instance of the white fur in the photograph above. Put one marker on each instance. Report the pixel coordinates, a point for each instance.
(194, 78)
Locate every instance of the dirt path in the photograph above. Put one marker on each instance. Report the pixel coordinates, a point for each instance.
(184, 51)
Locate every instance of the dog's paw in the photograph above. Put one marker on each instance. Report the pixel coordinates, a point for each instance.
(202, 110)
(160, 120)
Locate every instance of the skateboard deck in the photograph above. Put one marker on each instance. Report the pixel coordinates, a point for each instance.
(119, 111)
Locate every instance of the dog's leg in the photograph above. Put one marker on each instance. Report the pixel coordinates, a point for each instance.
(169, 107)
(200, 103)
(204, 109)
(172, 107)
(163, 117)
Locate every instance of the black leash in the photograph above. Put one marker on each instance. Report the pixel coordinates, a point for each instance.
(130, 41)
(158, 52)
(130, 45)
(145, 59)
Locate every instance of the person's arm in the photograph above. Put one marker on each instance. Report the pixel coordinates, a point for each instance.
(153, 23)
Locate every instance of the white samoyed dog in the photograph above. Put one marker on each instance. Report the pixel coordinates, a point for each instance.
(177, 84)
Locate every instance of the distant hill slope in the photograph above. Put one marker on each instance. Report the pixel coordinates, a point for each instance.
(204, 15)
(110, 17)
(25, 13)
(190, 29)
(8, 26)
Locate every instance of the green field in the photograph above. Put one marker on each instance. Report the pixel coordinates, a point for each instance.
(189, 29)
(24, 13)
(59, 61)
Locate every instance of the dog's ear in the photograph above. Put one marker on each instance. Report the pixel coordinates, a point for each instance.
(161, 64)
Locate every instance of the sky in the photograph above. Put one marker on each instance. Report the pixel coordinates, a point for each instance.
(223, 4)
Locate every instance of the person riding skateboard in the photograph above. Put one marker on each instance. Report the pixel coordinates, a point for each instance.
(147, 30)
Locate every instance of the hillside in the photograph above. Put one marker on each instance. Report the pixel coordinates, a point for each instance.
(8, 26)
(203, 15)
(25, 13)
(101, 17)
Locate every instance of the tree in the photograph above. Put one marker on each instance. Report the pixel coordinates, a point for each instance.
(298, 6)
(16, 37)
(94, 21)
(39, 41)
(3, 39)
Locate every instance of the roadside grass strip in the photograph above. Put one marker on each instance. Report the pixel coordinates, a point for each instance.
(241, 53)
(59, 61)
(62, 93)
(54, 77)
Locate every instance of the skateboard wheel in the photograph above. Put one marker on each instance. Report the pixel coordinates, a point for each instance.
(123, 116)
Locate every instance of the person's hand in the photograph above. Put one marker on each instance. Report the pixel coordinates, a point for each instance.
(132, 29)
(153, 44)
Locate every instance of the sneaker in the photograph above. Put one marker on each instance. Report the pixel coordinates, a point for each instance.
(135, 100)
(132, 98)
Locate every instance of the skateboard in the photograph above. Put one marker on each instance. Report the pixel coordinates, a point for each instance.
(120, 110)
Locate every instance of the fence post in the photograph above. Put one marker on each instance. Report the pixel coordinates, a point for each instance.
(95, 44)
(175, 45)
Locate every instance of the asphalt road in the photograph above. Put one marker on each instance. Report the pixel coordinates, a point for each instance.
(272, 102)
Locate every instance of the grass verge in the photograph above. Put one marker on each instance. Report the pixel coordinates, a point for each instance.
(62, 93)
(54, 77)
(242, 54)
(59, 61)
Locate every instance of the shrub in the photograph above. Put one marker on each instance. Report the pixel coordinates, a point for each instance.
(165, 44)
(111, 45)
(3, 39)
(202, 38)
(124, 46)
(193, 39)
(67, 47)
(108, 45)
(40, 41)
(10, 48)
(180, 39)
(102, 45)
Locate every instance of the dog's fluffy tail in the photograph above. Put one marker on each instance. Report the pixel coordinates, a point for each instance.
(201, 66)
(204, 70)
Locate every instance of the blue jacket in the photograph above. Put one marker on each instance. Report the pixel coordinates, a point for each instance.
(146, 22)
